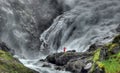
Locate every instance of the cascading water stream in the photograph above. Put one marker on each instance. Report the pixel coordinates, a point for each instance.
(87, 23)
(84, 22)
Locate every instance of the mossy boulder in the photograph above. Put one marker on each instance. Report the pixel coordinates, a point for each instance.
(9, 64)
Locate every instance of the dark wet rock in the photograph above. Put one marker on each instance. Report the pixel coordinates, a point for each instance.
(59, 67)
(42, 60)
(116, 50)
(4, 47)
(66, 57)
(118, 28)
(61, 59)
(71, 51)
(93, 47)
(46, 65)
(116, 39)
(74, 66)
(70, 61)
(81, 64)
(52, 58)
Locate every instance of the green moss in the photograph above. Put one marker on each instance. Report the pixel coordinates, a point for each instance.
(100, 64)
(96, 55)
(8, 64)
(95, 59)
(112, 65)
(5, 55)
(111, 46)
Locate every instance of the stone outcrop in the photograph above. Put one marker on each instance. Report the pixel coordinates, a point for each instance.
(98, 59)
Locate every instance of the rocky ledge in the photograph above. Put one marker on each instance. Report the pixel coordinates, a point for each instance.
(9, 64)
(98, 59)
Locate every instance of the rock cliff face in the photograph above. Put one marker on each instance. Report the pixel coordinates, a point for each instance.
(98, 59)
(22, 22)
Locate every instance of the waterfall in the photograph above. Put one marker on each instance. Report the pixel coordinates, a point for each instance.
(36, 28)
(89, 22)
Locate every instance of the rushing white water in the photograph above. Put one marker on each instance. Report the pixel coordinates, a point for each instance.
(36, 65)
(84, 22)
(89, 22)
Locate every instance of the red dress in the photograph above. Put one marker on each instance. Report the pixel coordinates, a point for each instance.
(64, 49)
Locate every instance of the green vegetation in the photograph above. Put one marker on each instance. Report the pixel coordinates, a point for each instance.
(8, 64)
(96, 55)
(107, 57)
(111, 65)
(95, 59)
(111, 46)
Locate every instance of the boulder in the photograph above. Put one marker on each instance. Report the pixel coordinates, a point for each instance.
(59, 67)
(52, 58)
(74, 66)
(61, 59)
(71, 61)
(66, 57)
